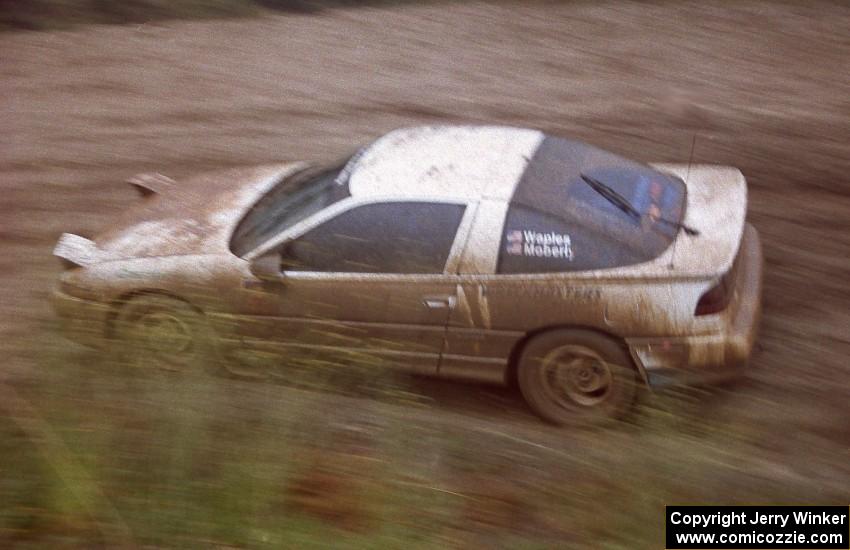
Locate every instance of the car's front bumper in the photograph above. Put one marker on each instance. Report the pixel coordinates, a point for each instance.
(719, 355)
(83, 321)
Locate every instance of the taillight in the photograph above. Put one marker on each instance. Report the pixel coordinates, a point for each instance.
(715, 299)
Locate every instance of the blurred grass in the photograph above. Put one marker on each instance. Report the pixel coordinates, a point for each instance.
(197, 460)
(96, 453)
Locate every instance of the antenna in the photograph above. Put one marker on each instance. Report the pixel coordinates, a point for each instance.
(691, 157)
(687, 177)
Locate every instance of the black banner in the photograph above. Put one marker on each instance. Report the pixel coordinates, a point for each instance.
(759, 527)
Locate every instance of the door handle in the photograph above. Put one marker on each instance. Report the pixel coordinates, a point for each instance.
(439, 302)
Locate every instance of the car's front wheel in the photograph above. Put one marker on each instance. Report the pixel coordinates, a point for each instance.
(162, 332)
(577, 377)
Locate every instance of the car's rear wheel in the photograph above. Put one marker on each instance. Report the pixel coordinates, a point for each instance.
(577, 377)
(164, 333)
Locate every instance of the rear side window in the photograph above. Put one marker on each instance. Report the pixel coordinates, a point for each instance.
(538, 242)
(397, 237)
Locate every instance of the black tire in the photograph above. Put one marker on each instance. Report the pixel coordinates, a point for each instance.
(577, 377)
(159, 332)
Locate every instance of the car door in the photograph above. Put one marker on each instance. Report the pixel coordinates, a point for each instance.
(482, 331)
(369, 285)
(515, 279)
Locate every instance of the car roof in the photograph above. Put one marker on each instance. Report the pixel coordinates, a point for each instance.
(445, 162)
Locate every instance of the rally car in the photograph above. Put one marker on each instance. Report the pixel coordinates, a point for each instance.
(483, 253)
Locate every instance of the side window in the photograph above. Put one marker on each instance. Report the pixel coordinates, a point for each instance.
(534, 242)
(393, 237)
(540, 242)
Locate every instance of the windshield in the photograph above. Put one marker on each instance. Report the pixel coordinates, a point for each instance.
(292, 200)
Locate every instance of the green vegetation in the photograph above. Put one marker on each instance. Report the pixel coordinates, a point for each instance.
(98, 452)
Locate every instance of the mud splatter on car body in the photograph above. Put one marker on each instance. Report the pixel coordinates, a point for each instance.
(444, 250)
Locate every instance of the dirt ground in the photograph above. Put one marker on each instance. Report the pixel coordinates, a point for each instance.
(763, 87)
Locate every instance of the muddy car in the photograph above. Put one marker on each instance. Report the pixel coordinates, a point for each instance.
(490, 254)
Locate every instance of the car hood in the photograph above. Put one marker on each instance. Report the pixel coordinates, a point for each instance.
(193, 216)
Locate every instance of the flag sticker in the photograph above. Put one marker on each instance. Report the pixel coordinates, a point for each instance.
(536, 244)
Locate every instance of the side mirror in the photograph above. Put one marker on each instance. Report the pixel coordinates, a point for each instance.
(267, 268)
